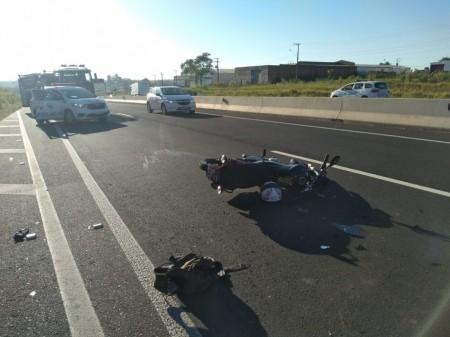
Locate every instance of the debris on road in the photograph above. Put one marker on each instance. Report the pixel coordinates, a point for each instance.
(33, 293)
(31, 236)
(19, 236)
(354, 230)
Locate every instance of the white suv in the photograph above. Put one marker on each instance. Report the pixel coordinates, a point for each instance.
(363, 89)
(170, 99)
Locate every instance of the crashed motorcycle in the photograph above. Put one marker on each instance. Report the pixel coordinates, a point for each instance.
(276, 181)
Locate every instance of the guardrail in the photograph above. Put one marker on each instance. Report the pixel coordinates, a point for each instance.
(430, 113)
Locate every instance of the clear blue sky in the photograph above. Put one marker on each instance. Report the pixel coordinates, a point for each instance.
(138, 38)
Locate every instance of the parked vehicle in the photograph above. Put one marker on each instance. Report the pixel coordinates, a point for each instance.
(140, 88)
(76, 75)
(67, 103)
(276, 180)
(170, 99)
(363, 89)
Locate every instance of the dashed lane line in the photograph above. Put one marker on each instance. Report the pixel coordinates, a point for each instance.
(18, 189)
(12, 151)
(81, 315)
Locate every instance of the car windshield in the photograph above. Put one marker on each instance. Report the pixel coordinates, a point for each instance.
(173, 91)
(77, 93)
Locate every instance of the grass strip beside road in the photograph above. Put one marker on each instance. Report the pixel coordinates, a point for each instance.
(9, 102)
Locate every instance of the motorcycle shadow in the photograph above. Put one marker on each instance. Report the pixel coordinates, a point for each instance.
(332, 222)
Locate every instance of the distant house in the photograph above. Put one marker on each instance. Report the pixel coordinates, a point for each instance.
(225, 76)
(303, 70)
(439, 66)
(366, 69)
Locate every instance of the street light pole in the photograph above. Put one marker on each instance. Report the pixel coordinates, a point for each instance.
(296, 65)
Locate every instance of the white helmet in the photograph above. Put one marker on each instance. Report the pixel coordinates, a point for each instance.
(271, 192)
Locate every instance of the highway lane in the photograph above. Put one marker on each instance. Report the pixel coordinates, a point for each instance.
(147, 167)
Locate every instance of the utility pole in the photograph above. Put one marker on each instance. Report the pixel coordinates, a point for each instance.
(217, 67)
(162, 80)
(296, 65)
(175, 78)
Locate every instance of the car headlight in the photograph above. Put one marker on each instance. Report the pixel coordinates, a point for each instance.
(168, 100)
(79, 105)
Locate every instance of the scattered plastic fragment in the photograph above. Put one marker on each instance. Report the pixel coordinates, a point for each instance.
(22, 163)
(18, 140)
(324, 247)
(33, 293)
(20, 235)
(31, 236)
(354, 230)
(97, 226)
(11, 158)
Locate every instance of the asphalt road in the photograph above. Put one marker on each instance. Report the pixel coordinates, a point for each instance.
(138, 175)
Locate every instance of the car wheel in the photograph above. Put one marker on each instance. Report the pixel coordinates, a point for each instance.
(163, 109)
(149, 108)
(192, 112)
(68, 117)
(40, 121)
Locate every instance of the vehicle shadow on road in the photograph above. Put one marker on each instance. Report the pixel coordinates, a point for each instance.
(88, 127)
(220, 312)
(331, 223)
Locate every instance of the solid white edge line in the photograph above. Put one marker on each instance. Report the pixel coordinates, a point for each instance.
(371, 175)
(80, 313)
(141, 264)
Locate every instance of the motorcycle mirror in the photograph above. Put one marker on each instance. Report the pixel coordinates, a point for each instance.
(264, 153)
(325, 161)
(334, 161)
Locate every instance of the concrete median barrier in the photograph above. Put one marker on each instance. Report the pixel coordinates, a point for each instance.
(431, 113)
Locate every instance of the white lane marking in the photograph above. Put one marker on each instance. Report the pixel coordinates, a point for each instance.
(12, 150)
(139, 261)
(20, 189)
(371, 175)
(81, 315)
(118, 113)
(334, 129)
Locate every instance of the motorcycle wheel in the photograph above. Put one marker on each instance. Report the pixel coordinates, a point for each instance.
(208, 161)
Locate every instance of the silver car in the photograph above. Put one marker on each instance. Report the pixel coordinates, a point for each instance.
(170, 99)
(363, 89)
(68, 103)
